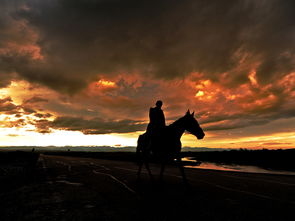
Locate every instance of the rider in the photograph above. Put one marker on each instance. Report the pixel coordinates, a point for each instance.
(157, 121)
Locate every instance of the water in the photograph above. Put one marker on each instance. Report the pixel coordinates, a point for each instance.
(236, 168)
(203, 165)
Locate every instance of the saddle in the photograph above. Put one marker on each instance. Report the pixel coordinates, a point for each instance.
(155, 142)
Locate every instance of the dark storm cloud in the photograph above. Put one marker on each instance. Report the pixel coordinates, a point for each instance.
(6, 105)
(234, 121)
(13, 123)
(35, 99)
(42, 126)
(234, 124)
(28, 110)
(12, 34)
(166, 39)
(96, 125)
(39, 115)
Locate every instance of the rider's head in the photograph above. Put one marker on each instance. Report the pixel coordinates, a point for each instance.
(159, 104)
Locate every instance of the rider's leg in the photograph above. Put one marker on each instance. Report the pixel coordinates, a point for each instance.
(180, 166)
(163, 164)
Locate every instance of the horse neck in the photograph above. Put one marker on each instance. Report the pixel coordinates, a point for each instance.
(178, 128)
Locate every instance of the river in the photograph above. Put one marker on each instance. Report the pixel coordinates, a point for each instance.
(236, 168)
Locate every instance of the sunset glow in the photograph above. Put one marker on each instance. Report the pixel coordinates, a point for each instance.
(106, 83)
(85, 84)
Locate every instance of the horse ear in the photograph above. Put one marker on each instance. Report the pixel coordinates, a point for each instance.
(188, 112)
(193, 114)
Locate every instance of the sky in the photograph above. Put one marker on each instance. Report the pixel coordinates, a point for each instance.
(86, 72)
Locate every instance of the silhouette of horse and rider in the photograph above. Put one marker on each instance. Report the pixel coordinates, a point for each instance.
(162, 143)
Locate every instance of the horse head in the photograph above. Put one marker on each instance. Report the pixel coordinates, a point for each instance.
(192, 125)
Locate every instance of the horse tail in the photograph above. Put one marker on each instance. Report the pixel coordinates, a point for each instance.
(140, 143)
(139, 148)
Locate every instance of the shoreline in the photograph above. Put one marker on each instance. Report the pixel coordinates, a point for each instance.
(18, 159)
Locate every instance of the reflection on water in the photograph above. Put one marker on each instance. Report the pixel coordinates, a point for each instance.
(237, 168)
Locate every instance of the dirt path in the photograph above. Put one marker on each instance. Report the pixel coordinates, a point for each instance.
(73, 188)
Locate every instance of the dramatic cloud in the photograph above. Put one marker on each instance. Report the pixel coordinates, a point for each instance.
(80, 39)
(35, 100)
(92, 65)
(97, 125)
(7, 106)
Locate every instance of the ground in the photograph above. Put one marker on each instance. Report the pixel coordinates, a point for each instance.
(76, 188)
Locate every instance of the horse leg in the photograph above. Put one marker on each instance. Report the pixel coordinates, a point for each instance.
(162, 170)
(179, 162)
(140, 159)
(148, 169)
(139, 168)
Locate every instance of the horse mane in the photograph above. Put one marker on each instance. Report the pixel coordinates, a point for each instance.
(176, 122)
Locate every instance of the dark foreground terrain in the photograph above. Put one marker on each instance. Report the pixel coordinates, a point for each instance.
(77, 188)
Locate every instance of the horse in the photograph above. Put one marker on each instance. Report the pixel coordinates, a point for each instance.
(167, 145)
